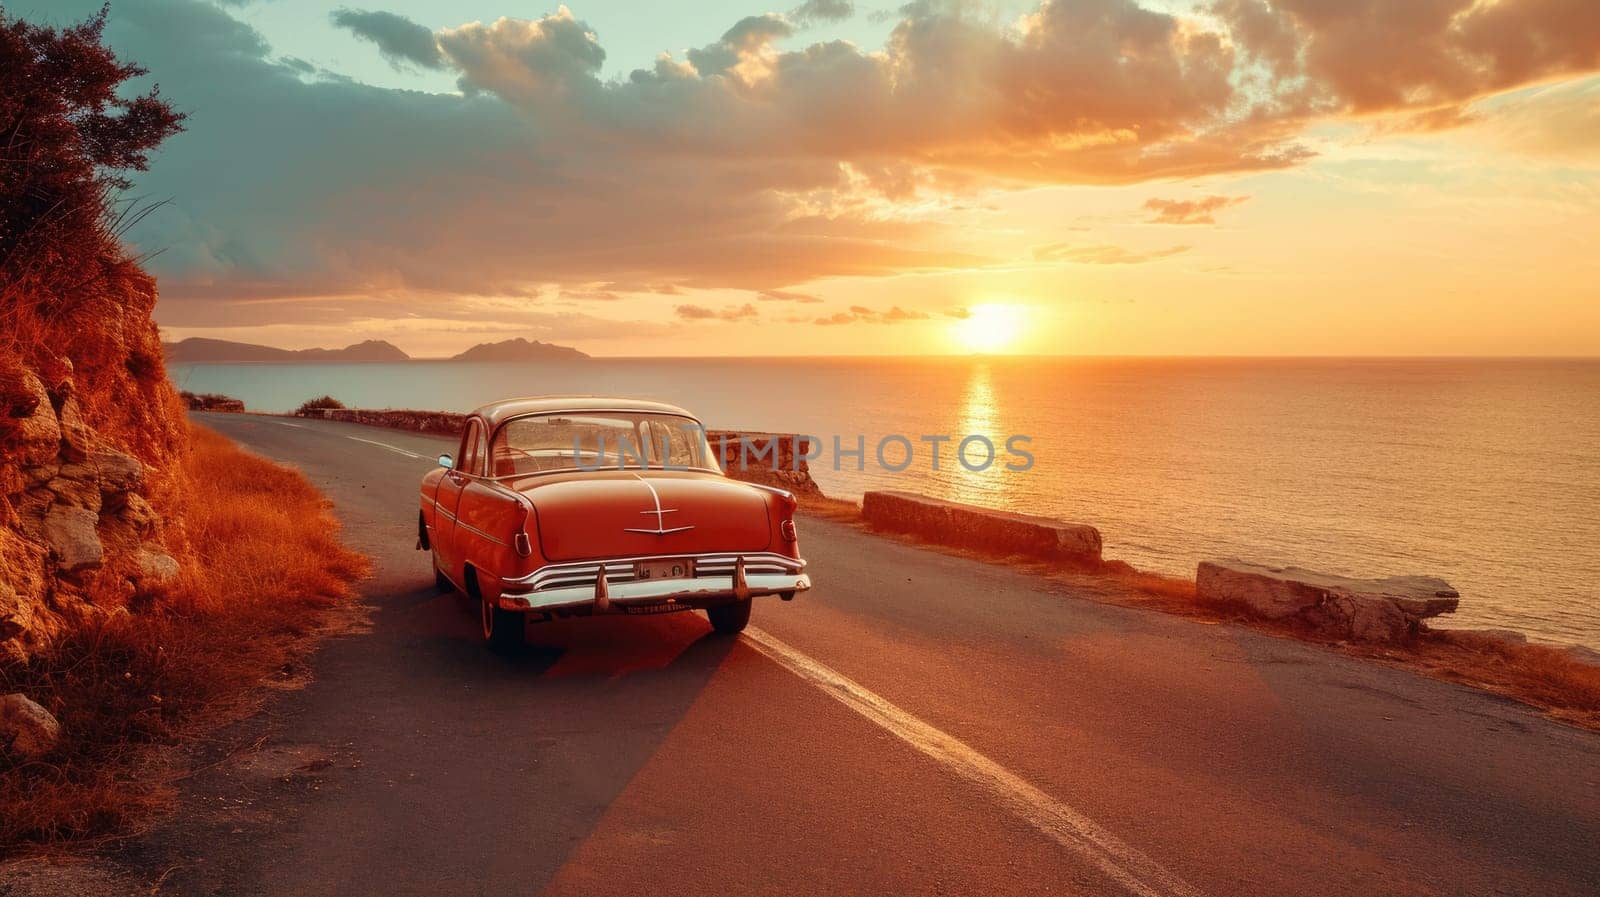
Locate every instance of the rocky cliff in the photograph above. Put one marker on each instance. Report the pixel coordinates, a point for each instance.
(90, 434)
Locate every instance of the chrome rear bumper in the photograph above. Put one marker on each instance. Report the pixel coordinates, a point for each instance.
(611, 586)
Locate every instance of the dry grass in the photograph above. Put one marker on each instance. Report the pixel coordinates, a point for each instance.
(1545, 677)
(269, 569)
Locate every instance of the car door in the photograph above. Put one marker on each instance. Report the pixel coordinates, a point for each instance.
(448, 533)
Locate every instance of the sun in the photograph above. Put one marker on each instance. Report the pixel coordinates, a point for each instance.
(991, 327)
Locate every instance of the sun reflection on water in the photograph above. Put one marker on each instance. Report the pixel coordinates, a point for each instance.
(980, 415)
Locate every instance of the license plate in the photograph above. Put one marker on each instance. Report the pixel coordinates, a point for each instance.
(655, 608)
(653, 570)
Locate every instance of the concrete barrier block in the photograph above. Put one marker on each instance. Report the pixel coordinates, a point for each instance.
(985, 529)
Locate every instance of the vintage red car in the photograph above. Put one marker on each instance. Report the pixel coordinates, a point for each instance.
(574, 506)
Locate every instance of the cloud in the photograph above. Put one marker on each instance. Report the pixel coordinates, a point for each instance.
(730, 313)
(539, 63)
(751, 162)
(748, 37)
(1103, 254)
(399, 40)
(813, 12)
(860, 314)
(1427, 58)
(1190, 211)
(593, 295)
(622, 286)
(1561, 122)
(787, 296)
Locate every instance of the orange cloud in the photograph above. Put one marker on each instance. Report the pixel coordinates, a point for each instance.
(1425, 58)
(1103, 254)
(1190, 211)
(748, 163)
(787, 296)
(731, 313)
(597, 295)
(860, 314)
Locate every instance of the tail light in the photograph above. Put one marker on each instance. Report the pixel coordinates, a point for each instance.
(523, 545)
(786, 529)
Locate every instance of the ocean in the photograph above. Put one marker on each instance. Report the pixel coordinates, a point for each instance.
(1484, 472)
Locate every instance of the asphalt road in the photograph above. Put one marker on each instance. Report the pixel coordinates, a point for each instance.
(916, 724)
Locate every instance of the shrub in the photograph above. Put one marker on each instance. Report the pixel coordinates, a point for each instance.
(70, 134)
(74, 307)
(210, 401)
(321, 403)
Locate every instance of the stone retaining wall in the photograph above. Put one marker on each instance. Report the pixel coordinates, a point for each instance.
(437, 422)
(211, 401)
(970, 526)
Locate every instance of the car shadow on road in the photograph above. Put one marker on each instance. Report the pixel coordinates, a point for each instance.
(601, 647)
(429, 752)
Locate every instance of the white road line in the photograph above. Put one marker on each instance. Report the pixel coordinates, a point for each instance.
(1122, 863)
(392, 448)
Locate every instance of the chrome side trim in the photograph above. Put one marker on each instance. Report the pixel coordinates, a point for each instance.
(607, 469)
(469, 527)
(466, 526)
(773, 489)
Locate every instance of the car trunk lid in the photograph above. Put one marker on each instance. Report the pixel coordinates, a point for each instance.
(628, 514)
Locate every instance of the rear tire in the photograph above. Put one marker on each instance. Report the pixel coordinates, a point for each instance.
(441, 582)
(729, 619)
(503, 630)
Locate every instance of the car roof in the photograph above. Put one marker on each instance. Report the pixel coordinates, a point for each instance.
(505, 409)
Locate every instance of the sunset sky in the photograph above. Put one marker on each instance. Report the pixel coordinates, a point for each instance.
(1300, 177)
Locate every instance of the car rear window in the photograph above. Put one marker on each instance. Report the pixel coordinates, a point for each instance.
(596, 441)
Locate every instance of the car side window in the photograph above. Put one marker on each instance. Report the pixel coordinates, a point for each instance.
(480, 451)
(472, 450)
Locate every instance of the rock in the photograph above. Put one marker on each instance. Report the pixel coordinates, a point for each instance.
(1587, 656)
(77, 485)
(71, 535)
(15, 613)
(26, 728)
(137, 513)
(156, 567)
(31, 507)
(43, 472)
(26, 619)
(1367, 619)
(118, 472)
(1372, 610)
(1260, 589)
(971, 526)
(75, 433)
(39, 433)
(779, 460)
